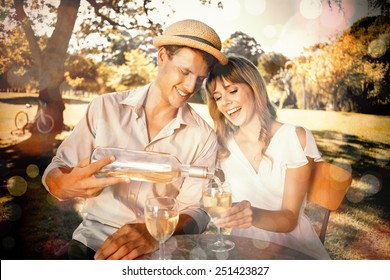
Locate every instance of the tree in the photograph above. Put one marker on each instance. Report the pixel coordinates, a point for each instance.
(15, 61)
(115, 53)
(383, 6)
(48, 61)
(368, 86)
(108, 17)
(81, 74)
(242, 44)
(137, 70)
(344, 73)
(269, 64)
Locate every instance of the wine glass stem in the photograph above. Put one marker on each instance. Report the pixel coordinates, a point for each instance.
(161, 255)
(220, 236)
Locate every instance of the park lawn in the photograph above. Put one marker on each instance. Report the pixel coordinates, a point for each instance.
(360, 229)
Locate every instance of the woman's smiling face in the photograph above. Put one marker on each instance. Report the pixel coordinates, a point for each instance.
(235, 101)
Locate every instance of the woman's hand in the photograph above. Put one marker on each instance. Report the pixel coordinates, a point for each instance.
(240, 215)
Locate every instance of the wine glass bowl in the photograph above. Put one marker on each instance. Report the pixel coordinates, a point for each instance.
(216, 199)
(161, 218)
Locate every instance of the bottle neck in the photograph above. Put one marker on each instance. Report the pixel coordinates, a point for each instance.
(197, 172)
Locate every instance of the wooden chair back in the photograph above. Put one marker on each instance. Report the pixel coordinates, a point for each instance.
(329, 185)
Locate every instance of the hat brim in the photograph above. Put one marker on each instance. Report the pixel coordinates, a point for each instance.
(187, 42)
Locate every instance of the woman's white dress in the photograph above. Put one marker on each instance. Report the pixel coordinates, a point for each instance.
(264, 189)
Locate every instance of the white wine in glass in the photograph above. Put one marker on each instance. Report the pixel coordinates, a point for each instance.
(161, 218)
(217, 198)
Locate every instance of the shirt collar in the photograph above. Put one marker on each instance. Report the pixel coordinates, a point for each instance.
(136, 100)
(185, 116)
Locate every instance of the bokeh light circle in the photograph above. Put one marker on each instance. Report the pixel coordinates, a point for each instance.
(377, 48)
(310, 9)
(355, 195)
(197, 253)
(368, 185)
(261, 244)
(32, 170)
(336, 175)
(8, 242)
(372, 184)
(17, 186)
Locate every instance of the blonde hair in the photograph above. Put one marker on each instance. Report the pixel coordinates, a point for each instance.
(239, 70)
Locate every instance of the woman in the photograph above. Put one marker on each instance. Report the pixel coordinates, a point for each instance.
(268, 163)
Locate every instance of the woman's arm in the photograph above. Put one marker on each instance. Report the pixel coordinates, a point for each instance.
(243, 215)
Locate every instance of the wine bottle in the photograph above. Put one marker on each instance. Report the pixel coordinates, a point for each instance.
(147, 166)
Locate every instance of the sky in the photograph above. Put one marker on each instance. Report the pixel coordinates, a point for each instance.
(283, 26)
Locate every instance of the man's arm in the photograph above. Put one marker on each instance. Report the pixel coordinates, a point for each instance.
(67, 183)
(188, 225)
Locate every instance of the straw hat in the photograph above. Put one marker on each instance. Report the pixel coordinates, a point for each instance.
(194, 34)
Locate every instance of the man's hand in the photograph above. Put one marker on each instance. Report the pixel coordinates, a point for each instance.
(127, 243)
(80, 180)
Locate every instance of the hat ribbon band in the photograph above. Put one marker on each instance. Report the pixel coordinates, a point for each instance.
(201, 40)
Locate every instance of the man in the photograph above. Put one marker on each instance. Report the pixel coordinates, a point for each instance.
(155, 117)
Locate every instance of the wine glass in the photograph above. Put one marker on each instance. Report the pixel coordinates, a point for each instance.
(161, 218)
(217, 198)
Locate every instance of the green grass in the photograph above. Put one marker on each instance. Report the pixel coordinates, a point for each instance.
(360, 229)
(35, 226)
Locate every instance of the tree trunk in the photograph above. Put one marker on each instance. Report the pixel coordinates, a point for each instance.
(362, 99)
(50, 61)
(334, 99)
